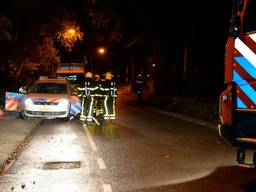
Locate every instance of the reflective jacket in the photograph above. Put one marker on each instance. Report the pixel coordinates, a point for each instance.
(109, 88)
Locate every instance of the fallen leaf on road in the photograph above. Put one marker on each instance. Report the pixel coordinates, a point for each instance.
(167, 156)
(23, 186)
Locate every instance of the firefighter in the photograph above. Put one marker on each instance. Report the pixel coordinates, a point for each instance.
(109, 92)
(95, 95)
(138, 87)
(85, 95)
(96, 78)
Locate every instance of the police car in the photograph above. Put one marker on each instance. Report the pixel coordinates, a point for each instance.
(48, 97)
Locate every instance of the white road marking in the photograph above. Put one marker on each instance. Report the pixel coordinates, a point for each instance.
(92, 143)
(101, 163)
(107, 188)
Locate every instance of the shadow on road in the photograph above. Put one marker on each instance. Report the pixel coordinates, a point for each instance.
(224, 179)
(250, 187)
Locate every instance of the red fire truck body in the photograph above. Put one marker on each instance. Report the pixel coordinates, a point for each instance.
(237, 104)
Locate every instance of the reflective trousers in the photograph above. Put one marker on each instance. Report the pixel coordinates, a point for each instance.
(85, 107)
(109, 107)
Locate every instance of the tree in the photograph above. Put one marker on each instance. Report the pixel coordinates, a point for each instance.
(68, 35)
(49, 55)
(5, 28)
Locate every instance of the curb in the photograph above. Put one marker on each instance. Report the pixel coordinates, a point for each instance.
(7, 164)
(185, 118)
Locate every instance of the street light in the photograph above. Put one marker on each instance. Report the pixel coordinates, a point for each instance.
(101, 50)
(71, 31)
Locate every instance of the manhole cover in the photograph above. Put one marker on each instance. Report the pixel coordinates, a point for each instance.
(62, 165)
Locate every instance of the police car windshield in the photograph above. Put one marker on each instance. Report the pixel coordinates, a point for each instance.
(55, 88)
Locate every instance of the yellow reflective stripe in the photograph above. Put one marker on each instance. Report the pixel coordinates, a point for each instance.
(94, 88)
(114, 110)
(90, 109)
(105, 105)
(97, 95)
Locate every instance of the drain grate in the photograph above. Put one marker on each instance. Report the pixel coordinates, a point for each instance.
(62, 165)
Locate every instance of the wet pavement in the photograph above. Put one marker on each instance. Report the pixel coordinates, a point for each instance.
(145, 150)
(14, 134)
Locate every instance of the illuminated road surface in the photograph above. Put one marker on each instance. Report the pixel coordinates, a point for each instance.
(143, 151)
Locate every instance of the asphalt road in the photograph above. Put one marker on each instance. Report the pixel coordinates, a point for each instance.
(144, 151)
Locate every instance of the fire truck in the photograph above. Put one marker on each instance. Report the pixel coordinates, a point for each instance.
(237, 103)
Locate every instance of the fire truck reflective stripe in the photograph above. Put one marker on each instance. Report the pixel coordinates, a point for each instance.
(253, 37)
(243, 97)
(240, 104)
(247, 72)
(250, 43)
(238, 79)
(247, 66)
(245, 86)
(244, 74)
(245, 51)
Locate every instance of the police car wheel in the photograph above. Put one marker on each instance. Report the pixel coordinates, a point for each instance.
(28, 118)
(66, 119)
(23, 116)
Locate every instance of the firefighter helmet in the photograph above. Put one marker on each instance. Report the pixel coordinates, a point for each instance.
(96, 77)
(88, 75)
(108, 76)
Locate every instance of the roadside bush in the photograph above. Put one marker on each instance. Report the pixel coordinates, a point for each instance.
(201, 108)
(2, 98)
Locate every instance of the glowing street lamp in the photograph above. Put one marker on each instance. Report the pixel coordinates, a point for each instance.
(101, 50)
(71, 31)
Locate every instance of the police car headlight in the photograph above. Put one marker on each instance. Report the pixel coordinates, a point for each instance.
(63, 103)
(28, 102)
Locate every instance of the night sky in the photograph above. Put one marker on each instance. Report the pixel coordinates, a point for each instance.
(137, 32)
